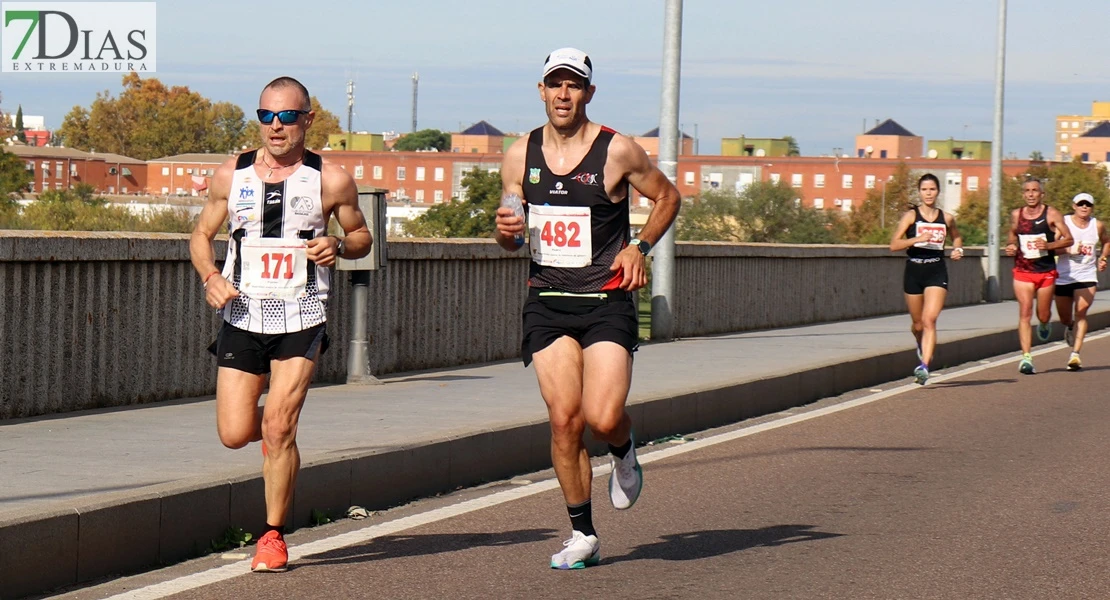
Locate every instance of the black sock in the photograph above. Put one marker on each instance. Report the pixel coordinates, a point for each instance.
(621, 451)
(278, 528)
(582, 518)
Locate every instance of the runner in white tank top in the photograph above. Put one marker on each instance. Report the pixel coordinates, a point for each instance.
(1078, 273)
(275, 202)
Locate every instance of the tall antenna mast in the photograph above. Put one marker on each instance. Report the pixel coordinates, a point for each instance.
(415, 84)
(350, 109)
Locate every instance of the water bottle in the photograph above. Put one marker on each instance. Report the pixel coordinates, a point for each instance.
(512, 201)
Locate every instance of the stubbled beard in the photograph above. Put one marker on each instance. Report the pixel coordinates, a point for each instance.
(284, 149)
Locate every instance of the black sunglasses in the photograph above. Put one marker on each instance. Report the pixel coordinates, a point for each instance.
(1085, 203)
(287, 117)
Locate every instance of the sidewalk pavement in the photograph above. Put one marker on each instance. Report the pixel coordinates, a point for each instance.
(100, 493)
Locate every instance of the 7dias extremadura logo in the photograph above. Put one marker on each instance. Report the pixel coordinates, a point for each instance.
(67, 37)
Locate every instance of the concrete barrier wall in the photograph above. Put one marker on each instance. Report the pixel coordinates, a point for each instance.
(101, 319)
(722, 288)
(93, 320)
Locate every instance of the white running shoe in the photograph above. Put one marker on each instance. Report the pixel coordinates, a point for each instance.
(626, 479)
(1074, 364)
(1069, 335)
(579, 552)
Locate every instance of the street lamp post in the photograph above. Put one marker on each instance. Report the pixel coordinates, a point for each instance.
(994, 217)
(662, 275)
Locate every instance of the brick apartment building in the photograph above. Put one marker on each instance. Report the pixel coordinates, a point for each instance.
(65, 168)
(428, 178)
(835, 183)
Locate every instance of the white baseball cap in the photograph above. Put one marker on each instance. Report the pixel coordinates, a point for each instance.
(1080, 197)
(571, 59)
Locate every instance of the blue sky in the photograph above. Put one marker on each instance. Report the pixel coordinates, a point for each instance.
(814, 69)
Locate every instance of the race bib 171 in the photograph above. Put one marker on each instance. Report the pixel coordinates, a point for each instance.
(273, 268)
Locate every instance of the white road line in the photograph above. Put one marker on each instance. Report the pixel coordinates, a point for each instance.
(240, 568)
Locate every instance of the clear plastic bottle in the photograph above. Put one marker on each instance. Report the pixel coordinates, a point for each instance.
(513, 201)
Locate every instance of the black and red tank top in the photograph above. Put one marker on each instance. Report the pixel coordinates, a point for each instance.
(1035, 226)
(582, 186)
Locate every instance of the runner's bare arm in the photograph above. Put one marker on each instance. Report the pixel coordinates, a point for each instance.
(508, 225)
(957, 239)
(340, 197)
(633, 164)
(1063, 234)
(650, 182)
(1011, 237)
(1104, 255)
(899, 241)
(213, 218)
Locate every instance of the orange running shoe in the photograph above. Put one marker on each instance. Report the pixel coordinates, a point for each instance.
(271, 555)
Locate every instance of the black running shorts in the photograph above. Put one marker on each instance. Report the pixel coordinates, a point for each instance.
(252, 352)
(920, 275)
(603, 317)
(1068, 290)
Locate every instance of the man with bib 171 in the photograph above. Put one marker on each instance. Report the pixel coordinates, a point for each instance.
(580, 325)
(276, 202)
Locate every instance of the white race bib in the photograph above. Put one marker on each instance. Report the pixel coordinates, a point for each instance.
(1028, 245)
(560, 236)
(273, 268)
(937, 233)
(1083, 253)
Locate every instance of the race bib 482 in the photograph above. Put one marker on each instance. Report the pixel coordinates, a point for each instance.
(560, 236)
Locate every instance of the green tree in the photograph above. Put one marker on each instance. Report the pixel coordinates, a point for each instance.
(1064, 180)
(764, 212)
(974, 212)
(1036, 155)
(229, 130)
(14, 179)
(873, 222)
(74, 132)
(425, 139)
(792, 148)
(80, 210)
(20, 132)
(471, 217)
(5, 126)
(148, 120)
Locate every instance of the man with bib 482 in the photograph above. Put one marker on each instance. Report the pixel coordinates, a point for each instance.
(276, 202)
(580, 325)
(1036, 230)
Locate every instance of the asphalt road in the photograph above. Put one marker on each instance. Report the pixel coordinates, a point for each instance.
(987, 485)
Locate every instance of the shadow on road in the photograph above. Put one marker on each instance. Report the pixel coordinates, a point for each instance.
(968, 383)
(718, 542)
(399, 546)
(440, 378)
(684, 462)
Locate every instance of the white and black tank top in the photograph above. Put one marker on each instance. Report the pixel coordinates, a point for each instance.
(291, 209)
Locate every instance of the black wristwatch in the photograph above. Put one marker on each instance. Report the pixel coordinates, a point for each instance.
(641, 245)
(339, 248)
